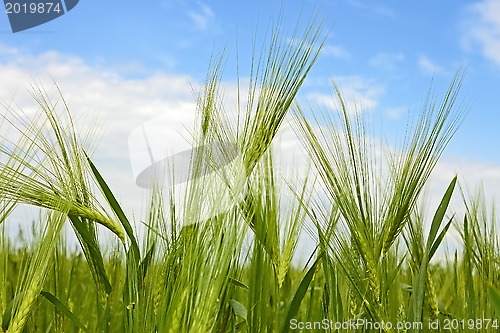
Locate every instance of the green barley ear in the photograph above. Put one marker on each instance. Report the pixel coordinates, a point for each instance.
(373, 207)
(343, 155)
(46, 164)
(34, 274)
(424, 146)
(277, 74)
(480, 252)
(46, 167)
(275, 81)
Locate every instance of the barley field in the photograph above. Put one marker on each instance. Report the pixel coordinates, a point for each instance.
(230, 264)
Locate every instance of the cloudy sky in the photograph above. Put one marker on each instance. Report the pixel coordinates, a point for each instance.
(132, 62)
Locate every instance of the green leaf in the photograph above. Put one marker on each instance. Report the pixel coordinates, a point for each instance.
(92, 252)
(238, 308)
(238, 283)
(64, 309)
(116, 208)
(494, 297)
(299, 294)
(439, 215)
(143, 267)
(418, 286)
(439, 239)
(7, 315)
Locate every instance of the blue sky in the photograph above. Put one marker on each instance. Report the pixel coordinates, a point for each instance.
(135, 60)
(392, 46)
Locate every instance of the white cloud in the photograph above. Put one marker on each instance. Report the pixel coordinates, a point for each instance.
(327, 50)
(359, 93)
(334, 51)
(396, 112)
(202, 16)
(482, 27)
(370, 8)
(429, 67)
(122, 103)
(473, 176)
(387, 61)
(8, 51)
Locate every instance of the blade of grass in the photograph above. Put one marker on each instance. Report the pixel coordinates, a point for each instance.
(419, 281)
(299, 295)
(92, 253)
(64, 309)
(115, 206)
